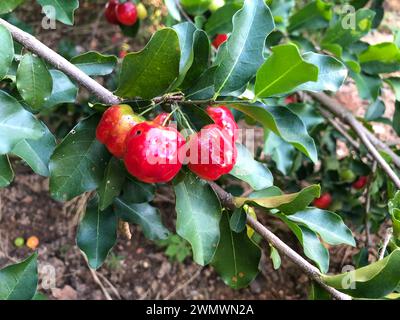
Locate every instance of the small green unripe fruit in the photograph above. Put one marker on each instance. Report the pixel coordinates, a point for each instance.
(141, 11)
(347, 175)
(19, 242)
(216, 4)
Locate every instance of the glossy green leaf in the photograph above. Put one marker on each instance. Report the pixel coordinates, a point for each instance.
(34, 81)
(97, 233)
(368, 86)
(204, 87)
(281, 152)
(220, 21)
(144, 215)
(79, 161)
(195, 7)
(135, 191)
(150, 72)
(19, 281)
(283, 71)
(7, 6)
(394, 211)
(237, 221)
(6, 51)
(312, 246)
(64, 90)
(95, 64)
(198, 216)
(112, 183)
(251, 171)
(242, 54)
(275, 257)
(372, 282)
(331, 75)
(173, 9)
(6, 171)
(375, 110)
(328, 225)
(283, 123)
(16, 123)
(63, 11)
(315, 15)
(237, 257)
(287, 203)
(343, 34)
(37, 153)
(380, 58)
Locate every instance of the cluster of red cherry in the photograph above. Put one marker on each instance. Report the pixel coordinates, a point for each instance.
(126, 13)
(155, 151)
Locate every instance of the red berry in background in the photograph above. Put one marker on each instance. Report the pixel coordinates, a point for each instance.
(291, 99)
(153, 152)
(126, 13)
(211, 153)
(122, 54)
(223, 117)
(360, 183)
(324, 201)
(161, 118)
(110, 13)
(219, 39)
(114, 126)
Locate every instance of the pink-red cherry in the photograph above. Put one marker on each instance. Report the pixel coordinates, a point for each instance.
(219, 39)
(224, 118)
(360, 183)
(127, 13)
(115, 124)
(110, 12)
(153, 152)
(324, 201)
(211, 153)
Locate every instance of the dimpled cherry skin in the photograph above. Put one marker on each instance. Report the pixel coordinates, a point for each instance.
(324, 201)
(219, 39)
(126, 13)
(224, 118)
(211, 153)
(152, 152)
(360, 183)
(114, 126)
(110, 13)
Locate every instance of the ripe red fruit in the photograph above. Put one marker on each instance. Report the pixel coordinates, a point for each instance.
(161, 118)
(126, 13)
(224, 118)
(110, 13)
(324, 201)
(219, 39)
(291, 99)
(360, 183)
(153, 152)
(114, 127)
(211, 153)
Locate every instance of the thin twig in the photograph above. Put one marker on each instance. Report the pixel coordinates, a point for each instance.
(359, 129)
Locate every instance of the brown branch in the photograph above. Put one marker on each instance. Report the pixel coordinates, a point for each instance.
(347, 117)
(60, 63)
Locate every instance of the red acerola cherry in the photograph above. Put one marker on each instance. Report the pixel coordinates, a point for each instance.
(110, 13)
(126, 13)
(219, 39)
(324, 201)
(360, 183)
(224, 118)
(153, 152)
(291, 99)
(211, 153)
(114, 126)
(161, 118)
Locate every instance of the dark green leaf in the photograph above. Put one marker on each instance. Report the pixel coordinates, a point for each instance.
(220, 21)
(95, 64)
(237, 221)
(6, 50)
(198, 216)
(97, 233)
(314, 15)
(79, 162)
(138, 192)
(34, 81)
(237, 257)
(19, 281)
(242, 54)
(6, 171)
(111, 186)
(144, 215)
(375, 110)
(16, 123)
(150, 72)
(64, 90)
(63, 11)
